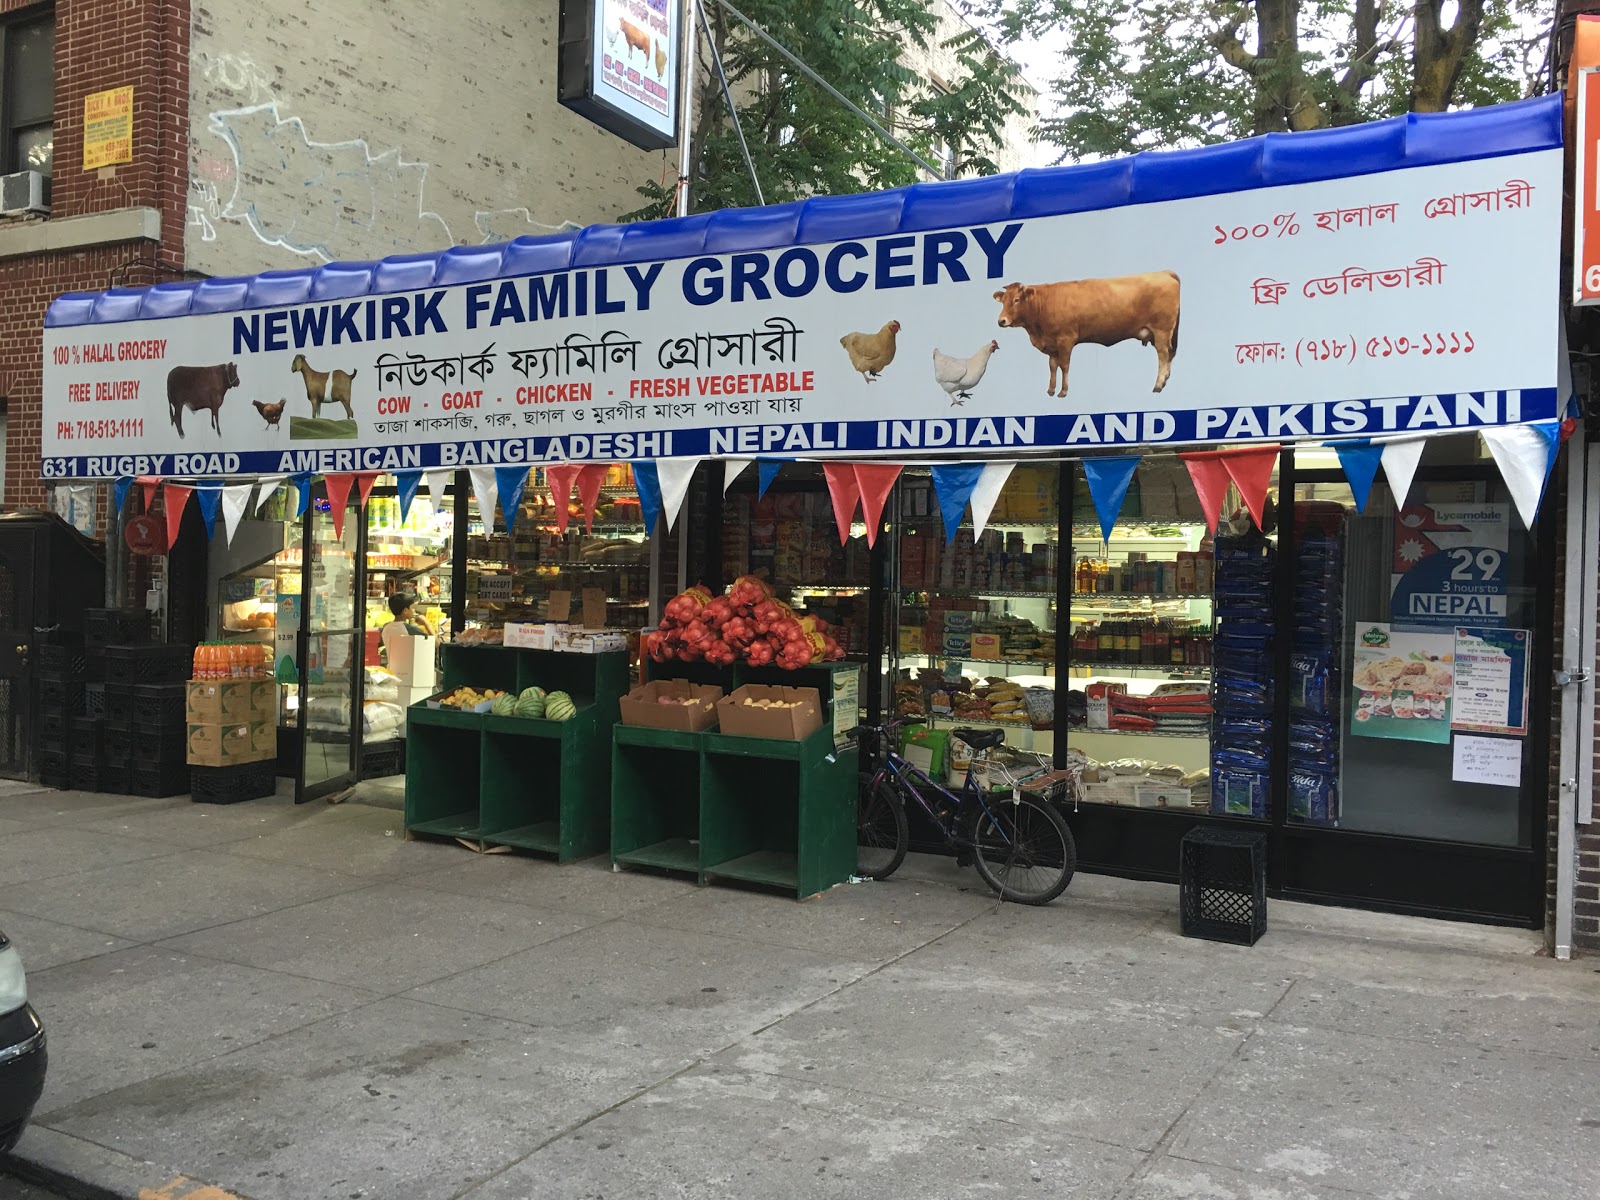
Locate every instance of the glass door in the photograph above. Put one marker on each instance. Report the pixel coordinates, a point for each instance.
(330, 651)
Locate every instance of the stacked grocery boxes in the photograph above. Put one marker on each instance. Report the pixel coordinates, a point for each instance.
(232, 739)
(1316, 675)
(1241, 727)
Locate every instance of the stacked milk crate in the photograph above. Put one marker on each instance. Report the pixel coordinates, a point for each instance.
(1241, 726)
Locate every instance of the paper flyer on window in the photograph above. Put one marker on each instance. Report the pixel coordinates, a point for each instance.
(1402, 684)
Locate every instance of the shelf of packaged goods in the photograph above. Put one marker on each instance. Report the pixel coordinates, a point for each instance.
(1134, 533)
(1042, 663)
(1091, 599)
(985, 722)
(1048, 523)
(393, 534)
(983, 593)
(828, 590)
(1142, 733)
(634, 564)
(1188, 671)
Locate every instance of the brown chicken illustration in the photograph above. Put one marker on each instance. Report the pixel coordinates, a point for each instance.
(870, 353)
(272, 412)
(661, 61)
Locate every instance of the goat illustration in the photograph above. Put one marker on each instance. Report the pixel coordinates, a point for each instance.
(323, 387)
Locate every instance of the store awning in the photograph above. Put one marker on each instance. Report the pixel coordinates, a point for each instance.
(1391, 278)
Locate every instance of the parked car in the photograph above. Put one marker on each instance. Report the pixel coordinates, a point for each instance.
(22, 1050)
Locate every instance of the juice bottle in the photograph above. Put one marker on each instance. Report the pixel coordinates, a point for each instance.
(194, 671)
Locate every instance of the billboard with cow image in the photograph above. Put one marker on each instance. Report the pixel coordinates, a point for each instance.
(1413, 299)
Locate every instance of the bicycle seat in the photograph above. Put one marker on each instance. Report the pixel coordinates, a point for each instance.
(981, 739)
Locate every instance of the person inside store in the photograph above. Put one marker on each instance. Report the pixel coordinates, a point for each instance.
(408, 622)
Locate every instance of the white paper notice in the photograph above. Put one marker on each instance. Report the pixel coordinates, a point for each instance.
(1496, 761)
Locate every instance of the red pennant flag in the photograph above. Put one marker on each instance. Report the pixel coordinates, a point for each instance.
(590, 480)
(148, 485)
(1211, 480)
(175, 496)
(844, 489)
(364, 482)
(561, 478)
(338, 498)
(1251, 470)
(875, 480)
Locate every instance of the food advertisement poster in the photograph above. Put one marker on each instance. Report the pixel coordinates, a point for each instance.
(1366, 305)
(1491, 688)
(1402, 684)
(1449, 565)
(636, 60)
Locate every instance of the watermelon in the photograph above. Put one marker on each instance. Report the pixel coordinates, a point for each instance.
(503, 704)
(558, 706)
(530, 703)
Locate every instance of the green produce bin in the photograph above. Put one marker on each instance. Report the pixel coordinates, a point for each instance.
(655, 798)
(442, 748)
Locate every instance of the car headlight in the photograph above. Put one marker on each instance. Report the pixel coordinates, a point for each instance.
(13, 984)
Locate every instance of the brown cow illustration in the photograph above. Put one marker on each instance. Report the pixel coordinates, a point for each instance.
(200, 388)
(636, 38)
(1103, 312)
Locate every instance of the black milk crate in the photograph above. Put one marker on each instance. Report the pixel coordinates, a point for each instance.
(104, 627)
(55, 731)
(1222, 885)
(61, 696)
(159, 707)
(88, 735)
(383, 759)
(118, 705)
(88, 775)
(156, 750)
(230, 785)
(66, 663)
(94, 699)
(148, 664)
(53, 768)
(119, 748)
(169, 779)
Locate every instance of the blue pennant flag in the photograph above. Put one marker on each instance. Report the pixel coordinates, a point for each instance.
(210, 499)
(406, 484)
(119, 494)
(953, 484)
(509, 482)
(1108, 480)
(766, 471)
(648, 485)
(302, 487)
(1360, 460)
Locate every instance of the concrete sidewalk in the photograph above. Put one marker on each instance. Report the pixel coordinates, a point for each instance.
(298, 1004)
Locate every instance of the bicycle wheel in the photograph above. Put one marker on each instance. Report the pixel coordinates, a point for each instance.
(1024, 850)
(882, 834)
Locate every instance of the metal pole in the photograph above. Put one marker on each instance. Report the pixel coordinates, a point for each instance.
(689, 44)
(1574, 665)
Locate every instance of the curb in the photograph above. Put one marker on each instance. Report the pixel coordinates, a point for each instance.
(82, 1170)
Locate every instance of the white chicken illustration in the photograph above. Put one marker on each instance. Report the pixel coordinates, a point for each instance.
(958, 376)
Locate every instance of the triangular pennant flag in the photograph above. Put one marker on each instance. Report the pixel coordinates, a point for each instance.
(210, 499)
(235, 499)
(1360, 459)
(876, 481)
(845, 491)
(302, 488)
(364, 482)
(119, 494)
(1251, 472)
(174, 496)
(147, 485)
(1400, 458)
(674, 475)
(766, 472)
(266, 486)
(1525, 454)
(405, 487)
(590, 480)
(1108, 480)
(560, 478)
(510, 482)
(1211, 479)
(986, 491)
(338, 498)
(953, 484)
(648, 486)
(438, 481)
(483, 487)
(732, 468)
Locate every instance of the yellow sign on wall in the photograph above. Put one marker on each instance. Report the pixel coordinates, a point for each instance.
(107, 128)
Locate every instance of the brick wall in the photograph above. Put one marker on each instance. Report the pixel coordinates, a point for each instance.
(99, 44)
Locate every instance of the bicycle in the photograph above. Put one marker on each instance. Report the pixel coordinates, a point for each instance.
(1020, 844)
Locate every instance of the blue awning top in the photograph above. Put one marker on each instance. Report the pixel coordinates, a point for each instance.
(1414, 140)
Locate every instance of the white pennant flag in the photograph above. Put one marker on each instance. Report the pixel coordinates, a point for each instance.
(1525, 454)
(484, 488)
(437, 482)
(986, 491)
(235, 499)
(268, 485)
(674, 474)
(732, 468)
(1400, 459)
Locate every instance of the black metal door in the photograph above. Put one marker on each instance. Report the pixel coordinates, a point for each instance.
(19, 548)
